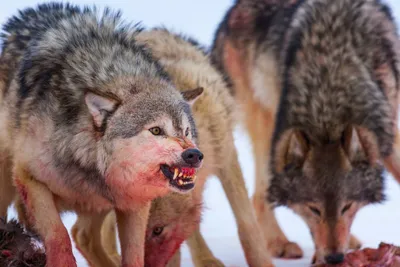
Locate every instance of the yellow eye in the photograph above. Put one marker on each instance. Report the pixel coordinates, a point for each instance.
(155, 130)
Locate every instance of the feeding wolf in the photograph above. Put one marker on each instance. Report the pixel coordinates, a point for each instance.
(89, 122)
(175, 218)
(318, 81)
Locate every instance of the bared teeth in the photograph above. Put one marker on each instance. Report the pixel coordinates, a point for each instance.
(180, 182)
(175, 174)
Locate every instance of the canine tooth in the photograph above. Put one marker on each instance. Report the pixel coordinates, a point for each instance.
(194, 178)
(180, 182)
(175, 174)
(180, 174)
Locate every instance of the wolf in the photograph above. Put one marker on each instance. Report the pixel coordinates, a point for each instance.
(175, 218)
(89, 122)
(318, 83)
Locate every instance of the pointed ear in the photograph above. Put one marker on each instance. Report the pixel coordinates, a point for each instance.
(358, 141)
(100, 107)
(191, 96)
(291, 149)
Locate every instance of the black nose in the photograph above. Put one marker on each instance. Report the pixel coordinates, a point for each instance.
(334, 258)
(192, 156)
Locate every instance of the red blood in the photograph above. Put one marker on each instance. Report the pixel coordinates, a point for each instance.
(6, 253)
(188, 171)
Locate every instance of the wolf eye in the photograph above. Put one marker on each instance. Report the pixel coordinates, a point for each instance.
(156, 130)
(158, 231)
(187, 131)
(315, 211)
(346, 208)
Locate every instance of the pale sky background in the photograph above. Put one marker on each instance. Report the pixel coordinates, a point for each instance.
(199, 19)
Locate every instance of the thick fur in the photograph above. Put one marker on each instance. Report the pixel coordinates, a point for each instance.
(19, 247)
(321, 77)
(214, 116)
(87, 120)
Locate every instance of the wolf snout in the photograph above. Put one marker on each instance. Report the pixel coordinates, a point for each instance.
(334, 258)
(192, 156)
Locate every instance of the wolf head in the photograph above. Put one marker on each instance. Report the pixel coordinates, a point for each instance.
(111, 113)
(326, 184)
(172, 219)
(151, 137)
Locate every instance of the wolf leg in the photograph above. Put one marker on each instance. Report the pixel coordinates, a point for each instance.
(42, 214)
(109, 237)
(86, 233)
(175, 261)
(132, 229)
(260, 125)
(249, 231)
(7, 190)
(200, 252)
(392, 162)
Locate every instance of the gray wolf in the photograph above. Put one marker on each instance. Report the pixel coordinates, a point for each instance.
(318, 83)
(175, 218)
(89, 122)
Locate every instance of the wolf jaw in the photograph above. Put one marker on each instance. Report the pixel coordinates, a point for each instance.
(181, 179)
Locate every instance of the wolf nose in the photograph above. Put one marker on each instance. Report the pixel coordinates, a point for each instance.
(192, 156)
(334, 258)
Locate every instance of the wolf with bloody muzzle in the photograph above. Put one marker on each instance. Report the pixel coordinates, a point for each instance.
(89, 122)
(318, 81)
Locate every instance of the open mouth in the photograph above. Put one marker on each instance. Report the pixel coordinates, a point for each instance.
(181, 178)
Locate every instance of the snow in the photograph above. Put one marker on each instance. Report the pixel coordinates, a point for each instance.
(199, 19)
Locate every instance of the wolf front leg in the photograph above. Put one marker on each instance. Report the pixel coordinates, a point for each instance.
(87, 234)
(260, 124)
(200, 252)
(43, 216)
(252, 241)
(132, 230)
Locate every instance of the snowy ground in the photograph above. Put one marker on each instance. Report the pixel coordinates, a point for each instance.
(199, 19)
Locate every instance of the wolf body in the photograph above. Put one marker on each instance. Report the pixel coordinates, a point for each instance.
(89, 122)
(175, 218)
(318, 82)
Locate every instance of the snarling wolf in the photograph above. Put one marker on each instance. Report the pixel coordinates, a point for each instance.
(318, 81)
(89, 122)
(175, 218)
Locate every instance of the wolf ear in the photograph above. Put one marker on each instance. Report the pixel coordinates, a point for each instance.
(191, 96)
(358, 141)
(100, 107)
(291, 149)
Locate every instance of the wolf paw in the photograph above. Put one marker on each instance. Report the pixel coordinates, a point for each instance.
(285, 249)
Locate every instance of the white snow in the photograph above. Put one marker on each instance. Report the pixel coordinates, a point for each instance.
(199, 19)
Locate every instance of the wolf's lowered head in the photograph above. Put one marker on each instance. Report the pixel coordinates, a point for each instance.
(326, 184)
